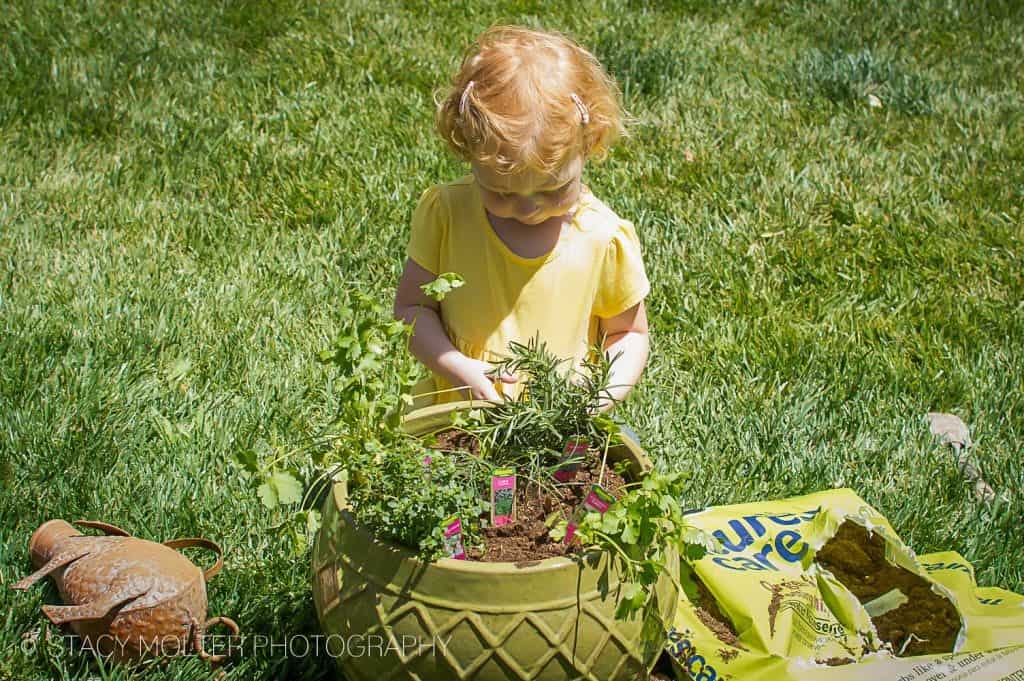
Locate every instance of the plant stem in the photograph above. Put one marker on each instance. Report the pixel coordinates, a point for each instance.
(615, 545)
(604, 459)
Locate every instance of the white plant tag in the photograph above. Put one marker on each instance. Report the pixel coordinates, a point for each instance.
(887, 602)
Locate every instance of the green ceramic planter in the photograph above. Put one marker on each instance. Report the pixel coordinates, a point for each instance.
(388, 615)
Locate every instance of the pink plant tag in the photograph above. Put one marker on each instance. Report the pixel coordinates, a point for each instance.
(453, 538)
(503, 496)
(598, 500)
(574, 451)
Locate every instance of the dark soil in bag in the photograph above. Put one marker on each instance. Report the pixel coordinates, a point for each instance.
(926, 624)
(712, 616)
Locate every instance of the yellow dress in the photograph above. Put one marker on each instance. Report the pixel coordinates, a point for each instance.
(594, 271)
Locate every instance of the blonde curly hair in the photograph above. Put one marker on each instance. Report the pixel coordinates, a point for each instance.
(529, 99)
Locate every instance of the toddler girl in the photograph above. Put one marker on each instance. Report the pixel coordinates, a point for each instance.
(539, 253)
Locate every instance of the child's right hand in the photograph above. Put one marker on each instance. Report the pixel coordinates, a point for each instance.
(479, 376)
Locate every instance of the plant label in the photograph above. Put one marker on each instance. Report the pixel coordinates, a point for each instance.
(572, 455)
(598, 500)
(453, 539)
(503, 496)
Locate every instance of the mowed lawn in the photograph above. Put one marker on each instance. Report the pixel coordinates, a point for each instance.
(829, 195)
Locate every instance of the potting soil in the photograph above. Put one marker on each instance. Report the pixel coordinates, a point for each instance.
(821, 587)
(926, 623)
(527, 538)
(706, 608)
(452, 440)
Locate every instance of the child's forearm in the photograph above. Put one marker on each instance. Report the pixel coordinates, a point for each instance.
(626, 370)
(429, 343)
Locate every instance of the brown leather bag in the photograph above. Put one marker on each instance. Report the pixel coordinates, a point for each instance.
(128, 598)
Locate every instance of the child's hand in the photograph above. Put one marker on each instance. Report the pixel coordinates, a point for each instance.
(478, 376)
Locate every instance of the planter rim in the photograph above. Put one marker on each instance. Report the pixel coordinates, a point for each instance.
(555, 563)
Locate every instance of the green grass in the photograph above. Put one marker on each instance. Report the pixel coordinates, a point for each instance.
(191, 191)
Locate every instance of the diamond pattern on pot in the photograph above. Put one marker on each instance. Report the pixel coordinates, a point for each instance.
(465, 636)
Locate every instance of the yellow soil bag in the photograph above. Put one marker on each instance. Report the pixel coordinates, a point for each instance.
(821, 588)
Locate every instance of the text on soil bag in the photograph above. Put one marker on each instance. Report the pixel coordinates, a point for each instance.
(696, 666)
(741, 535)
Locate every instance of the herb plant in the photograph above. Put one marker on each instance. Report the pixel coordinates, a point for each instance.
(639, 529)
(402, 490)
(393, 492)
(558, 403)
(402, 499)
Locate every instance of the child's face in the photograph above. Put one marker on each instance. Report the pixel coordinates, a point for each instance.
(530, 197)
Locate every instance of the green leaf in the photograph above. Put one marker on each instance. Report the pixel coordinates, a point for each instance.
(268, 495)
(630, 590)
(553, 519)
(558, 531)
(397, 328)
(443, 285)
(699, 537)
(633, 597)
(299, 541)
(606, 424)
(628, 534)
(288, 488)
(695, 552)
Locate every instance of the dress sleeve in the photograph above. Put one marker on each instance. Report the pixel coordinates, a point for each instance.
(429, 229)
(623, 281)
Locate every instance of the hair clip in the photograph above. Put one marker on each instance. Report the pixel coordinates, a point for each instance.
(584, 114)
(465, 97)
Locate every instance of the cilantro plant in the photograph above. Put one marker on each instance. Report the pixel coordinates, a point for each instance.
(638, 530)
(392, 492)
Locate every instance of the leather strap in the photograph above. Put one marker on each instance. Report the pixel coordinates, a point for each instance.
(202, 543)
